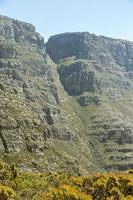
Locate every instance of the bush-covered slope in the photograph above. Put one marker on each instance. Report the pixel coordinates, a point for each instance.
(17, 185)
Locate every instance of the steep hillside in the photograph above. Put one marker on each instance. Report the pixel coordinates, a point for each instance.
(98, 73)
(37, 120)
(66, 104)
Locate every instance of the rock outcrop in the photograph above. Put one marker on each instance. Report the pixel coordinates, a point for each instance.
(91, 63)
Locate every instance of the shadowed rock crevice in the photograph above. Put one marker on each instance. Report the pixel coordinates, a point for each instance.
(4, 142)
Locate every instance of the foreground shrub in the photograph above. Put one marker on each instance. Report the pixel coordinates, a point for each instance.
(8, 172)
(6, 193)
(63, 186)
(65, 192)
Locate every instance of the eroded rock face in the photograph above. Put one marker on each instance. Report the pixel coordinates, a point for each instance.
(89, 46)
(97, 72)
(77, 78)
(85, 100)
(88, 63)
(13, 31)
(32, 119)
(74, 114)
(7, 51)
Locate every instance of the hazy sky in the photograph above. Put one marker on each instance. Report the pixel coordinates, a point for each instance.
(112, 18)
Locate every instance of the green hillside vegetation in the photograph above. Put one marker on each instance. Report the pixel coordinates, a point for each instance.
(17, 185)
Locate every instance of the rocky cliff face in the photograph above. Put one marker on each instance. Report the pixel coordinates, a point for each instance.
(34, 125)
(97, 72)
(66, 104)
(98, 64)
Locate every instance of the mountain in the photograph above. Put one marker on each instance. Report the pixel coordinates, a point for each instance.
(65, 104)
(97, 72)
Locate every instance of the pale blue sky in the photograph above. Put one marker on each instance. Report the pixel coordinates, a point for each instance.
(113, 18)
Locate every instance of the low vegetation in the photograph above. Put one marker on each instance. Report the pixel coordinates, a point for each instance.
(17, 185)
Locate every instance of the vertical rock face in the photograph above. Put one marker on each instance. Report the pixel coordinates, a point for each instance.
(88, 46)
(14, 31)
(90, 63)
(97, 72)
(78, 78)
